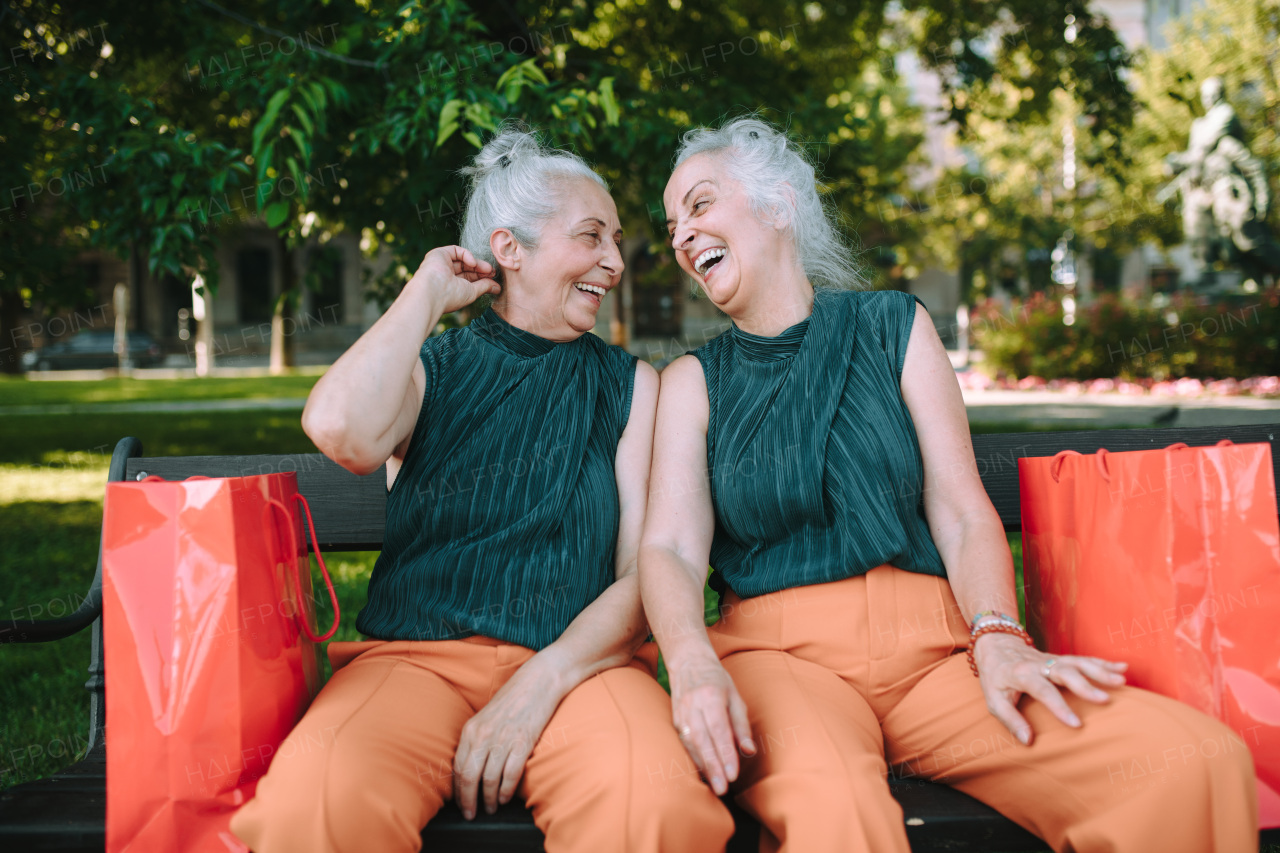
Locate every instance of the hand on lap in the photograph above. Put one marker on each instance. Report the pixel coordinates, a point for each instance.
(711, 720)
(1008, 668)
(498, 740)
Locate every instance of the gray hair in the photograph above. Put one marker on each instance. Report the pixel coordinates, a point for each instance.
(513, 185)
(780, 183)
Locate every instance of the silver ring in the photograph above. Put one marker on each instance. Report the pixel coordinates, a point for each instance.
(1048, 665)
(685, 731)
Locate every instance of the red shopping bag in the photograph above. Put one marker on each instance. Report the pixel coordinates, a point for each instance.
(1169, 560)
(210, 657)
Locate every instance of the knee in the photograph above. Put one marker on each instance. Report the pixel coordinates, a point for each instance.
(1221, 755)
(684, 812)
(317, 799)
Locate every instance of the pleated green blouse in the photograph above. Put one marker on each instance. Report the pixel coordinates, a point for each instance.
(815, 468)
(504, 517)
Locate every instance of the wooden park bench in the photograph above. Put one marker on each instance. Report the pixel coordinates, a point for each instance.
(66, 811)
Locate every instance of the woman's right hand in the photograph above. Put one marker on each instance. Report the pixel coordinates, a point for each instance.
(454, 277)
(711, 719)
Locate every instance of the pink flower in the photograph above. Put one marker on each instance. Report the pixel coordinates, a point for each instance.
(1188, 387)
(1101, 386)
(1223, 387)
(1163, 389)
(1028, 383)
(1262, 386)
(1130, 388)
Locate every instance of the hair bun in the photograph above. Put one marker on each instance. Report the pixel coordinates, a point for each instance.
(511, 144)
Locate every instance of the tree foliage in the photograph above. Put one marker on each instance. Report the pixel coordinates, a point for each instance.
(354, 116)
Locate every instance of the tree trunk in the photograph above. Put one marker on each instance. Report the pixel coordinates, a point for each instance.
(202, 313)
(283, 324)
(10, 336)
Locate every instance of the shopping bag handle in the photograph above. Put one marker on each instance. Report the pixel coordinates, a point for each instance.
(1104, 467)
(297, 580)
(1055, 467)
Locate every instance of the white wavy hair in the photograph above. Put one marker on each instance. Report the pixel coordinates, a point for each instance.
(781, 185)
(515, 184)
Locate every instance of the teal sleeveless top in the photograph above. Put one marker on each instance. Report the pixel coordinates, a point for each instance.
(503, 519)
(812, 455)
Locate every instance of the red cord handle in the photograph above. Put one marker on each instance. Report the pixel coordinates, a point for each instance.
(297, 578)
(1104, 467)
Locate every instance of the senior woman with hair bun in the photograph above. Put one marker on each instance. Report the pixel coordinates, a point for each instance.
(817, 454)
(504, 611)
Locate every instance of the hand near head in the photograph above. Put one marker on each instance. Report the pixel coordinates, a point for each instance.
(454, 277)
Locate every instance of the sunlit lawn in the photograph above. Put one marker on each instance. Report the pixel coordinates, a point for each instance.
(18, 391)
(52, 473)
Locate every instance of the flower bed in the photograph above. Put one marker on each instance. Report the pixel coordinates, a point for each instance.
(1135, 348)
(1254, 386)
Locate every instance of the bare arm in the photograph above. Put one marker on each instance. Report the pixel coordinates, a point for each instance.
(497, 742)
(362, 411)
(706, 707)
(970, 538)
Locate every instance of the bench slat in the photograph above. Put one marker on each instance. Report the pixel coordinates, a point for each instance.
(349, 510)
(67, 812)
(997, 454)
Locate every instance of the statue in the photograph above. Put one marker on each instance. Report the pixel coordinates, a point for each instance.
(1225, 197)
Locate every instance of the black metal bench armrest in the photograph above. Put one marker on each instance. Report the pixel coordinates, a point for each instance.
(45, 630)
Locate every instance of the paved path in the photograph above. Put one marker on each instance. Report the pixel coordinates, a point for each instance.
(1100, 411)
(1039, 408)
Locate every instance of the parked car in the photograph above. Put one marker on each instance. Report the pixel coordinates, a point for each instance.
(92, 348)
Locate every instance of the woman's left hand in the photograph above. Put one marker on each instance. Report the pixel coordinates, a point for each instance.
(498, 740)
(1008, 668)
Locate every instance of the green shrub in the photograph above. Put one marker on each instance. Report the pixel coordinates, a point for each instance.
(1114, 338)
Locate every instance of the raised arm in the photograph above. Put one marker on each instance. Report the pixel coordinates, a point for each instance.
(497, 742)
(706, 708)
(972, 544)
(362, 411)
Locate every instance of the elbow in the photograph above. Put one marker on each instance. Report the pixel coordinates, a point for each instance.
(334, 436)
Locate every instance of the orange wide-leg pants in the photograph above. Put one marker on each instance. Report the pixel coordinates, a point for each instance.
(846, 680)
(371, 761)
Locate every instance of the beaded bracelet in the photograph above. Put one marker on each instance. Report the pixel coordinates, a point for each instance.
(973, 623)
(988, 620)
(995, 628)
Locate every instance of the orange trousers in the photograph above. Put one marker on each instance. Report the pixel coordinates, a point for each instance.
(846, 680)
(371, 761)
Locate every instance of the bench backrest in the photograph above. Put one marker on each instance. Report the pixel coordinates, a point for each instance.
(349, 510)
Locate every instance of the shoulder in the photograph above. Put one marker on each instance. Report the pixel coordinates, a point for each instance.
(684, 386)
(886, 312)
(644, 392)
(445, 345)
(882, 303)
(615, 360)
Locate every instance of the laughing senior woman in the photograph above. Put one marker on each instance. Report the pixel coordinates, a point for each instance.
(504, 610)
(818, 455)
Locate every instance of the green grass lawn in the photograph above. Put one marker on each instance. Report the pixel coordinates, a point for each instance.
(52, 472)
(18, 391)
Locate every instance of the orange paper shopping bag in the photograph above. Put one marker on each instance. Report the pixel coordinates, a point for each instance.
(1169, 560)
(209, 654)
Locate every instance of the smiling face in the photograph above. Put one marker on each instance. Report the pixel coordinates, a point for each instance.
(555, 291)
(717, 238)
